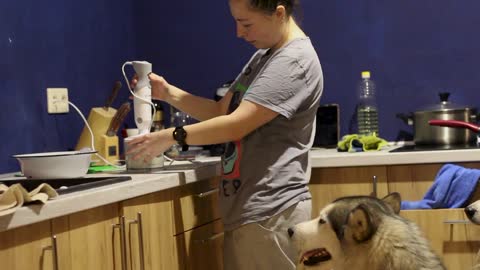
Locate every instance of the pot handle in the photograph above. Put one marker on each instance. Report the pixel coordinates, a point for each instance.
(407, 118)
(455, 123)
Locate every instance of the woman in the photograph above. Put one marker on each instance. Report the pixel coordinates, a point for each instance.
(267, 119)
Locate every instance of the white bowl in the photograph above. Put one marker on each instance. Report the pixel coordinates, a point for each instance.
(55, 165)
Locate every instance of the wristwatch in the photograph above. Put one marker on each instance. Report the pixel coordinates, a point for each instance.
(179, 135)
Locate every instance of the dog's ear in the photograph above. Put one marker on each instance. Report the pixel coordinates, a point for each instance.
(361, 224)
(394, 201)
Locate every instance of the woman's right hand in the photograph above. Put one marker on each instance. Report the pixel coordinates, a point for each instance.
(160, 87)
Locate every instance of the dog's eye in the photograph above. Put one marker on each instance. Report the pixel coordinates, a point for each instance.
(322, 221)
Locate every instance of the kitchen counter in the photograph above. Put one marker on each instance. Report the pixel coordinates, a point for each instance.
(332, 158)
(142, 184)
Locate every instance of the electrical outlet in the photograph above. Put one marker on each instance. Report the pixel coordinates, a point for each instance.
(57, 100)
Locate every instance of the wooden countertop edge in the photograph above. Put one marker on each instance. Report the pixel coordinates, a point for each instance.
(141, 184)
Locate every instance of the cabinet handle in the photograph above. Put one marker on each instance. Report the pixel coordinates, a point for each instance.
(460, 221)
(374, 192)
(207, 193)
(53, 247)
(123, 241)
(211, 238)
(140, 239)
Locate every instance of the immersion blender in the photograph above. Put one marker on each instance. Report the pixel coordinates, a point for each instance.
(142, 101)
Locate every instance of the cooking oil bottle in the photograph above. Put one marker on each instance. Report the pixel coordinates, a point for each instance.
(158, 117)
(367, 111)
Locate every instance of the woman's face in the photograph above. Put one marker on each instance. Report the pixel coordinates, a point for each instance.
(256, 27)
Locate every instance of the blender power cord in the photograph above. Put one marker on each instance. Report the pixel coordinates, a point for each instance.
(170, 159)
(136, 96)
(92, 138)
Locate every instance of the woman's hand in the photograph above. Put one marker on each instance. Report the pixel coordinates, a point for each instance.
(148, 146)
(160, 87)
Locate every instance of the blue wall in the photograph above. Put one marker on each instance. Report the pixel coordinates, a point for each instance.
(414, 49)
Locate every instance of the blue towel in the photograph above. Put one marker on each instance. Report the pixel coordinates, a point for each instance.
(452, 187)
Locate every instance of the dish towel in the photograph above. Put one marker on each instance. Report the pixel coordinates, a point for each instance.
(360, 143)
(451, 188)
(16, 196)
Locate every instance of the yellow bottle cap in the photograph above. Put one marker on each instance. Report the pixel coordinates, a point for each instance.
(365, 74)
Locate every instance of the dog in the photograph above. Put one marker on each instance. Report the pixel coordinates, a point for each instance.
(362, 232)
(472, 211)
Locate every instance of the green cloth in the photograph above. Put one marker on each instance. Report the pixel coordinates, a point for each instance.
(102, 168)
(358, 143)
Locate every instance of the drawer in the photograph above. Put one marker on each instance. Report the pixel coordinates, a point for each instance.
(450, 233)
(202, 247)
(196, 204)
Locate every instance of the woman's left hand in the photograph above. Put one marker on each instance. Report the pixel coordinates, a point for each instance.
(148, 146)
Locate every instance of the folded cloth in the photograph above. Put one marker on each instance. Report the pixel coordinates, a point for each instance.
(359, 143)
(451, 188)
(16, 196)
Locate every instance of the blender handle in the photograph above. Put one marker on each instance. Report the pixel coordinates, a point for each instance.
(455, 123)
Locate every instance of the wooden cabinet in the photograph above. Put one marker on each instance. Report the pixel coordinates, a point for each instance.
(177, 228)
(196, 204)
(413, 181)
(327, 184)
(456, 242)
(450, 235)
(89, 239)
(149, 232)
(203, 247)
(29, 247)
(198, 228)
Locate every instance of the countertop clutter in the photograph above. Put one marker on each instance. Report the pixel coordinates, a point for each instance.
(145, 183)
(322, 157)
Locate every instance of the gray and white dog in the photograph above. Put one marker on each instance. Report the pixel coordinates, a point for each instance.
(363, 232)
(473, 213)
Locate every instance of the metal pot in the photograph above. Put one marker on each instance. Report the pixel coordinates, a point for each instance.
(425, 134)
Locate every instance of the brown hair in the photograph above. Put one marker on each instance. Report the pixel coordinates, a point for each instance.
(269, 6)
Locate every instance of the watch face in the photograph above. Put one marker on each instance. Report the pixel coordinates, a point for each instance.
(180, 134)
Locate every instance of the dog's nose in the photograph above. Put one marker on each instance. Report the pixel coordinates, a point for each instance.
(470, 211)
(290, 232)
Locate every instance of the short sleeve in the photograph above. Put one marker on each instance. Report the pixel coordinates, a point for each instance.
(281, 86)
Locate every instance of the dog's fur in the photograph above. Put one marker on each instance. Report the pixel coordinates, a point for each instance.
(363, 232)
(472, 211)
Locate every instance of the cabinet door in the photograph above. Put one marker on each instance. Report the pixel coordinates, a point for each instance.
(28, 247)
(196, 204)
(328, 184)
(203, 247)
(452, 237)
(413, 180)
(151, 241)
(88, 239)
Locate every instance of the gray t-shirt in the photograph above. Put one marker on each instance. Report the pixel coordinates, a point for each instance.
(268, 170)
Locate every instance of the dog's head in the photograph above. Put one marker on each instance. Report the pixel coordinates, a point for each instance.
(473, 212)
(346, 221)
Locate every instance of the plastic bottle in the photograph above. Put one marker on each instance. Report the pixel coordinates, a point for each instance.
(158, 117)
(367, 111)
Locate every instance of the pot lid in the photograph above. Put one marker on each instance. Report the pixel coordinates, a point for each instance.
(444, 105)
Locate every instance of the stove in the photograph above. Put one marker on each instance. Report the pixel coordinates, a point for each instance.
(416, 148)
